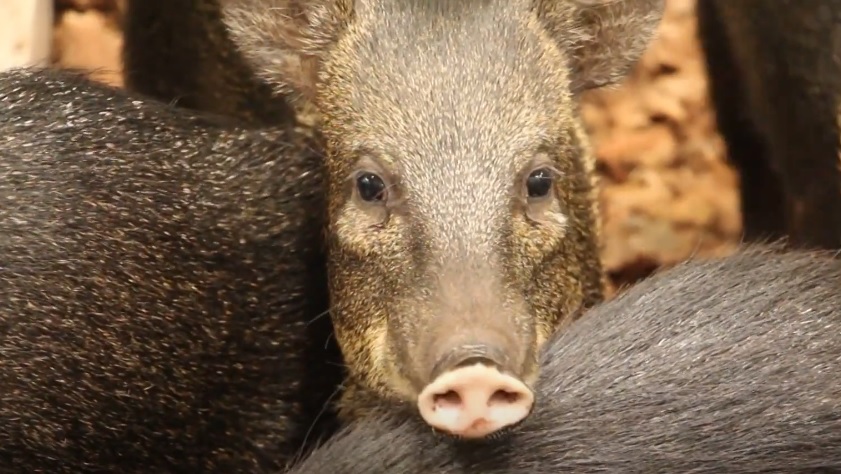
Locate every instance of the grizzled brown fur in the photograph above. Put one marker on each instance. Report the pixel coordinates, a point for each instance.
(163, 287)
(452, 105)
(775, 80)
(729, 365)
(179, 51)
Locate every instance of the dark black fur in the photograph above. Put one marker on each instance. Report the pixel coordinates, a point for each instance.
(775, 80)
(179, 51)
(721, 366)
(162, 279)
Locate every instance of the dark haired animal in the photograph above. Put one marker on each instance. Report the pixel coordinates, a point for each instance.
(163, 287)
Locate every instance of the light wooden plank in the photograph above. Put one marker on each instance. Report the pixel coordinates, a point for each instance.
(25, 32)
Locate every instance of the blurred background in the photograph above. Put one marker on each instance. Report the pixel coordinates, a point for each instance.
(667, 192)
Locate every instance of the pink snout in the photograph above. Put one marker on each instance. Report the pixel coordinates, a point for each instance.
(474, 401)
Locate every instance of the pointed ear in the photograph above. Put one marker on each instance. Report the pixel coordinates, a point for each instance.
(285, 40)
(603, 39)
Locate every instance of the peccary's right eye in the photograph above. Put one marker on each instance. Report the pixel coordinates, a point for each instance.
(371, 188)
(539, 183)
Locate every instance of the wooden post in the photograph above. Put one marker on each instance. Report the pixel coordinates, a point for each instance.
(26, 30)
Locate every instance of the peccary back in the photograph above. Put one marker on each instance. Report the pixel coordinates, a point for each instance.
(163, 286)
(775, 80)
(179, 51)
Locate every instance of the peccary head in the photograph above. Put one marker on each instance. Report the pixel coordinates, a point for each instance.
(461, 203)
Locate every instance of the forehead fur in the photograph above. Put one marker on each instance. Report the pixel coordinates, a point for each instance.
(457, 96)
(440, 79)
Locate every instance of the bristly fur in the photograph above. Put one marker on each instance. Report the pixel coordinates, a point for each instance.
(603, 38)
(775, 82)
(723, 365)
(163, 286)
(179, 52)
(286, 39)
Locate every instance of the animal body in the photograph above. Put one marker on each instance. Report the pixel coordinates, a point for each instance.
(179, 52)
(164, 287)
(774, 72)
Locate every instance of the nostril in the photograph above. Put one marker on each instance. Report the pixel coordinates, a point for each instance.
(452, 399)
(448, 400)
(504, 398)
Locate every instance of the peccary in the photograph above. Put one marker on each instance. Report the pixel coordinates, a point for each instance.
(462, 228)
(728, 365)
(162, 285)
(774, 72)
(179, 51)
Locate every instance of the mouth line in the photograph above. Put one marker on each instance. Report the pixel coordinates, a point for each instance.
(497, 436)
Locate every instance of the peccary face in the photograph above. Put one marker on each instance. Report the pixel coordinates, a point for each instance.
(461, 218)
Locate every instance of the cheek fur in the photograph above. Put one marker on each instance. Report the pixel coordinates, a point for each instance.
(360, 230)
(549, 216)
(539, 233)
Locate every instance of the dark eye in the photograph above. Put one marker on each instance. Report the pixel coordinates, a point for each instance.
(539, 183)
(371, 187)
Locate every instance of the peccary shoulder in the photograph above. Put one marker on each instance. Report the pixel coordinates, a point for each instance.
(163, 286)
(775, 80)
(178, 51)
